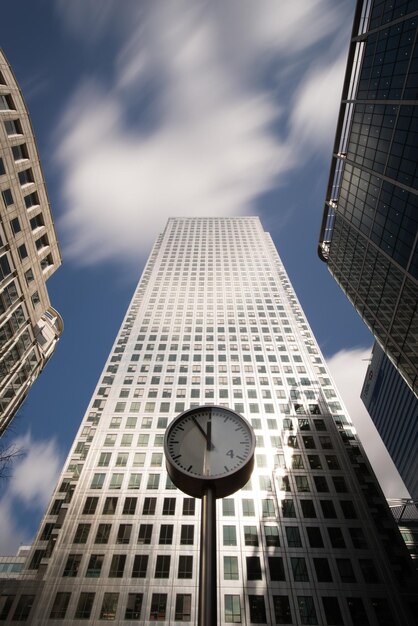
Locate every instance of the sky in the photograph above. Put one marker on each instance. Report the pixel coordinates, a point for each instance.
(145, 110)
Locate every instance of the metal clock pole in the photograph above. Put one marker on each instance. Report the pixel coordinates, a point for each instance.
(207, 584)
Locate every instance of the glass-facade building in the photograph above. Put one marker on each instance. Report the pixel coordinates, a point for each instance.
(29, 254)
(393, 408)
(369, 230)
(309, 540)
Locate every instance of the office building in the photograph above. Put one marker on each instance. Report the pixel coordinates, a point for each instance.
(369, 230)
(405, 513)
(393, 408)
(29, 254)
(309, 540)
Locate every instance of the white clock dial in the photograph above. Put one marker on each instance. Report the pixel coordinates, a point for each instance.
(210, 442)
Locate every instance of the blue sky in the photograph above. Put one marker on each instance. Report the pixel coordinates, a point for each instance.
(145, 110)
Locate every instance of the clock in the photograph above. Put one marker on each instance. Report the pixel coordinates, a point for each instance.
(209, 447)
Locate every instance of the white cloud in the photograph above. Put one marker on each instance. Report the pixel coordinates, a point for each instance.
(33, 478)
(187, 126)
(348, 368)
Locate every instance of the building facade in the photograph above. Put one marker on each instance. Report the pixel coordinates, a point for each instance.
(29, 254)
(369, 230)
(393, 408)
(309, 540)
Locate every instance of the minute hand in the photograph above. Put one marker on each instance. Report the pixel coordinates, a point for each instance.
(200, 428)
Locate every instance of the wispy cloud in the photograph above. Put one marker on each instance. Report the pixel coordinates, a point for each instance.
(348, 368)
(207, 107)
(33, 478)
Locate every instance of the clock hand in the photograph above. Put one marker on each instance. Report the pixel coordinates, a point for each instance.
(209, 445)
(200, 428)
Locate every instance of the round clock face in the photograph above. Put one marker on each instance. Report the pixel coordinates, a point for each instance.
(209, 443)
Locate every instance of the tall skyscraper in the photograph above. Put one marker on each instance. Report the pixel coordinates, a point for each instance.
(393, 408)
(309, 540)
(29, 254)
(369, 230)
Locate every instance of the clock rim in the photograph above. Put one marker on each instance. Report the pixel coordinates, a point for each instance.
(223, 485)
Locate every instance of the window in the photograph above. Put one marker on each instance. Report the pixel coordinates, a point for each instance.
(6, 602)
(336, 537)
(97, 481)
(23, 253)
(346, 571)
(288, 508)
(145, 534)
(15, 225)
(314, 537)
(122, 459)
(72, 566)
(302, 484)
(124, 533)
(307, 611)
(276, 568)
(257, 609)
(282, 611)
(117, 566)
(23, 607)
(321, 484)
(231, 568)
(332, 462)
(6, 104)
(332, 610)
(268, 507)
(322, 569)
(104, 459)
(116, 481)
(229, 536)
(308, 508)
(20, 152)
(134, 606)
(139, 459)
(149, 506)
(183, 609)
(169, 506)
(253, 568)
(357, 611)
(185, 567)
(94, 566)
(348, 509)
(85, 605)
(59, 608)
(103, 533)
(158, 607)
(166, 534)
(369, 571)
(250, 536)
(134, 481)
(248, 508)
(2, 168)
(272, 536)
(7, 197)
(358, 538)
(189, 505)
(162, 566)
(293, 537)
(153, 481)
(110, 505)
(328, 509)
(232, 609)
(314, 461)
(82, 533)
(139, 569)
